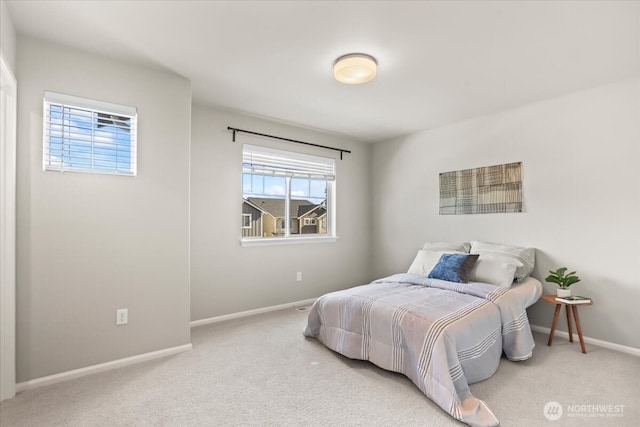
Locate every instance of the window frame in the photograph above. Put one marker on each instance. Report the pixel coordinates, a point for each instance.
(290, 238)
(89, 106)
(245, 215)
(280, 223)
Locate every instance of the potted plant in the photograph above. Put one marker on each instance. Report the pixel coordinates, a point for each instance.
(563, 280)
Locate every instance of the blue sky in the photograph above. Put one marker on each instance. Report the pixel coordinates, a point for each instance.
(314, 190)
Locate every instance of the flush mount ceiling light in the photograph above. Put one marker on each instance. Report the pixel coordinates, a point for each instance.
(355, 68)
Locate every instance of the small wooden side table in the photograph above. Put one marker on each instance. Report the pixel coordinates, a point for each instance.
(569, 308)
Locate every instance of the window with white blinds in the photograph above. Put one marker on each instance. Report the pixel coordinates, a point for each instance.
(288, 196)
(84, 135)
(263, 160)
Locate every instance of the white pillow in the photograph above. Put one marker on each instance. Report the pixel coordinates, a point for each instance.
(525, 256)
(494, 271)
(447, 247)
(424, 261)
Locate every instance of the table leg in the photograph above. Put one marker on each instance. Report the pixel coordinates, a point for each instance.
(568, 309)
(555, 322)
(579, 328)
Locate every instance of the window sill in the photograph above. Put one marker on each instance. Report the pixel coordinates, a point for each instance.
(248, 242)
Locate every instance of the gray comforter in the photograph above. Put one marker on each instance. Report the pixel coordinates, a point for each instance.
(442, 335)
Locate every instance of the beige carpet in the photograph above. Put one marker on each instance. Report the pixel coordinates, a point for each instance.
(261, 371)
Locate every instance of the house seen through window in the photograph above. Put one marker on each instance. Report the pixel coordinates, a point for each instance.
(286, 194)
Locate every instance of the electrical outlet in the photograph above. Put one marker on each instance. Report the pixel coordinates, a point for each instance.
(122, 316)
(299, 276)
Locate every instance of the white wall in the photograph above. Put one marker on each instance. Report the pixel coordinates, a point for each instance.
(8, 106)
(227, 278)
(580, 155)
(7, 37)
(89, 244)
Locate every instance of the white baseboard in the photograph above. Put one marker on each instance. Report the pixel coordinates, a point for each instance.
(605, 344)
(195, 323)
(77, 373)
(94, 369)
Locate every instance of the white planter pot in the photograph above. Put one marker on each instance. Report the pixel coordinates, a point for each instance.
(564, 292)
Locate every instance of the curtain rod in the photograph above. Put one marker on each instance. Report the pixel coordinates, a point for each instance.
(286, 139)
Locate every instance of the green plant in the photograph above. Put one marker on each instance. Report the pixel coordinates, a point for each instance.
(561, 279)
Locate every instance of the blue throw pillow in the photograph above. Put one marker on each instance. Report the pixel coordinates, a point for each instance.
(454, 267)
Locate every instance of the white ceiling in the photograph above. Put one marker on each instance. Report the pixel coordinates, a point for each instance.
(439, 62)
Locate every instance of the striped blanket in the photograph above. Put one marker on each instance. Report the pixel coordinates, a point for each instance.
(442, 335)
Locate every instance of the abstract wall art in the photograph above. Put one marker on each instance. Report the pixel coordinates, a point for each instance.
(490, 189)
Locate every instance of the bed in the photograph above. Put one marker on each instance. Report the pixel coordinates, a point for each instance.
(442, 335)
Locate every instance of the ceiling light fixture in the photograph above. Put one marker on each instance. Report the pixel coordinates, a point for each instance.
(355, 68)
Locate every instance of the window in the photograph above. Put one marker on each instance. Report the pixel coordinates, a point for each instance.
(288, 188)
(246, 220)
(280, 224)
(83, 135)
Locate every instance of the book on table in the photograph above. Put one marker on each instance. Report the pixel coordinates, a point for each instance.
(574, 299)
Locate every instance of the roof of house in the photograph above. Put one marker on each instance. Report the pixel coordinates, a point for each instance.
(275, 207)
